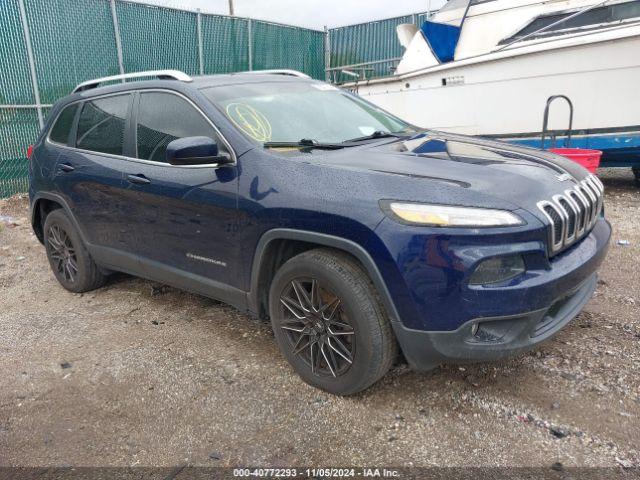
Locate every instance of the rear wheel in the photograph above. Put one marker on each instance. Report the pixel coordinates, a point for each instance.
(329, 322)
(70, 261)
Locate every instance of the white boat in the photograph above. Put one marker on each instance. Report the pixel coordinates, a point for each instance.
(492, 67)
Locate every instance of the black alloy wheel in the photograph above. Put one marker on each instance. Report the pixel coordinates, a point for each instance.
(63, 253)
(68, 257)
(317, 327)
(329, 322)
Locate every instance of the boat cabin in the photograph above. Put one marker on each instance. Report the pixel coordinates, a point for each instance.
(468, 28)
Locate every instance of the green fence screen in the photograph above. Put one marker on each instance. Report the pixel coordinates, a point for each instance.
(225, 44)
(155, 38)
(15, 82)
(366, 43)
(75, 40)
(303, 49)
(18, 125)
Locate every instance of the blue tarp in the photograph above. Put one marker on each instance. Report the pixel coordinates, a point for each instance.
(442, 39)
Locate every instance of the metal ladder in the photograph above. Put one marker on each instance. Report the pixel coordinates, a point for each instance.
(545, 123)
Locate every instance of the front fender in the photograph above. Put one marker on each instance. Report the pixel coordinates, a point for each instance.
(322, 239)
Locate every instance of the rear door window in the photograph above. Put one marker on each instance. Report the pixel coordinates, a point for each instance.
(63, 125)
(102, 124)
(164, 117)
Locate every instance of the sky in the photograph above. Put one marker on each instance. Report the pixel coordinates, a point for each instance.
(308, 13)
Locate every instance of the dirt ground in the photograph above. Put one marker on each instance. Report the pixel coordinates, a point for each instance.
(136, 374)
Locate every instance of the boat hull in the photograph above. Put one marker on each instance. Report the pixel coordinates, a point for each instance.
(504, 96)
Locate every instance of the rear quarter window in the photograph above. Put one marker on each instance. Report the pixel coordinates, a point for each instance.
(64, 123)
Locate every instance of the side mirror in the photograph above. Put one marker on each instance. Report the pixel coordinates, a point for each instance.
(196, 151)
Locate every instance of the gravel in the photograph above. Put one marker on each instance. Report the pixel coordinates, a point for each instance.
(141, 374)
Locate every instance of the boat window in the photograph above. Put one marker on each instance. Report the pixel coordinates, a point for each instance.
(600, 17)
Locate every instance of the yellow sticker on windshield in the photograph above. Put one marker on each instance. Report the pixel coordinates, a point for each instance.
(250, 120)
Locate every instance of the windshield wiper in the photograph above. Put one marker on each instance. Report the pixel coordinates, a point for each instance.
(375, 135)
(305, 143)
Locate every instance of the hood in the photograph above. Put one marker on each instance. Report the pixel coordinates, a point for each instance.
(517, 176)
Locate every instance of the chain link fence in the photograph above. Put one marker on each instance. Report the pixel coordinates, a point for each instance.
(47, 48)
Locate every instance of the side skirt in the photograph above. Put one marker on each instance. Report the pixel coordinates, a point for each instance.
(119, 261)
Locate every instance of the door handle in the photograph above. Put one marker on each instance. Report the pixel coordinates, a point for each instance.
(138, 179)
(66, 167)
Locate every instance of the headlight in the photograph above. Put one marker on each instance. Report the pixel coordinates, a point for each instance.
(498, 270)
(446, 216)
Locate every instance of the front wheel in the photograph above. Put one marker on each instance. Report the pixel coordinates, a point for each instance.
(329, 322)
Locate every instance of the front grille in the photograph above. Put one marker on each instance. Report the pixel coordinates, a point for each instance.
(573, 214)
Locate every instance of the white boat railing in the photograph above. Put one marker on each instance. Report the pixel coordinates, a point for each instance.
(362, 71)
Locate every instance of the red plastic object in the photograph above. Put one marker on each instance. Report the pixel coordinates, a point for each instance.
(589, 159)
(29, 152)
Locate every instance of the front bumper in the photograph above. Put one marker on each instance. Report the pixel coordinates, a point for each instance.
(509, 318)
(492, 338)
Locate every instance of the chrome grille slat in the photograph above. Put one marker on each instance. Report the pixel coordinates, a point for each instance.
(596, 189)
(573, 214)
(582, 207)
(589, 202)
(566, 212)
(594, 200)
(598, 183)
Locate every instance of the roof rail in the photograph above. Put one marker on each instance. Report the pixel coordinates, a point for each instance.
(161, 74)
(293, 73)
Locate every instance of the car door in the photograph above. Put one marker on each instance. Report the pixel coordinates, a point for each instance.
(88, 172)
(181, 219)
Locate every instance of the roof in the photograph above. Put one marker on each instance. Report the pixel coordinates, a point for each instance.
(241, 77)
(256, 76)
(197, 82)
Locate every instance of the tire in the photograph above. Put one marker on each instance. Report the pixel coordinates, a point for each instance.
(636, 174)
(69, 259)
(324, 298)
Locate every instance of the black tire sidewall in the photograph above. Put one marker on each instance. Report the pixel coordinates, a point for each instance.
(359, 375)
(59, 217)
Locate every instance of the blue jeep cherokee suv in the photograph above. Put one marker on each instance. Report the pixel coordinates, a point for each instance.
(356, 234)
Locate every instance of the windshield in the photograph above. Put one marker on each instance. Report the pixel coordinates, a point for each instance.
(288, 112)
